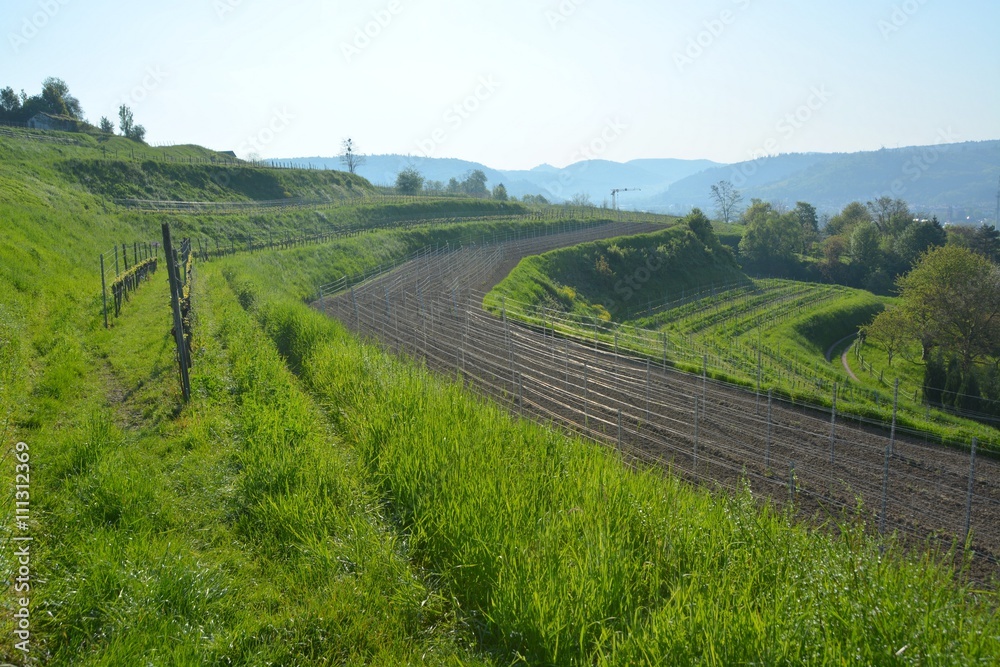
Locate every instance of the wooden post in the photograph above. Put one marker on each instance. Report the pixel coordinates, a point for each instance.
(175, 296)
(104, 292)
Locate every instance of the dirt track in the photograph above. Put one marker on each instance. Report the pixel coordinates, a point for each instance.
(711, 433)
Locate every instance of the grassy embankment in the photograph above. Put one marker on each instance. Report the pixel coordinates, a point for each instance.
(362, 511)
(668, 295)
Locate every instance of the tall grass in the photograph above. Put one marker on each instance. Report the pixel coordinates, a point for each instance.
(558, 554)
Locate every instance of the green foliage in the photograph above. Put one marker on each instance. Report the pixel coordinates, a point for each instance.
(771, 238)
(409, 181)
(618, 277)
(555, 547)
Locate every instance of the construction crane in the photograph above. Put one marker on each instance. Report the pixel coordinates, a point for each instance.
(996, 220)
(614, 195)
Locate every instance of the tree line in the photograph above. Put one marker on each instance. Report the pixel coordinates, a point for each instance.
(55, 99)
(947, 317)
(473, 184)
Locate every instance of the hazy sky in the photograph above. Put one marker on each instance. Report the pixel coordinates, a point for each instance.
(517, 83)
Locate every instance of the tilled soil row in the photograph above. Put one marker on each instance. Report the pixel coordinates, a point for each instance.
(711, 433)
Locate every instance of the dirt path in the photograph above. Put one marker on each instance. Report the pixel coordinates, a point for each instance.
(847, 366)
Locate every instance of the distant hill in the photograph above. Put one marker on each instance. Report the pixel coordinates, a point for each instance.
(595, 178)
(952, 181)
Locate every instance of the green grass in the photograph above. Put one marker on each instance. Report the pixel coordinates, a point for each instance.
(319, 502)
(557, 554)
(697, 310)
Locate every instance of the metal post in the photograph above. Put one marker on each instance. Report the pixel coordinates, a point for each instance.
(696, 429)
(972, 485)
(704, 376)
(586, 397)
(117, 272)
(767, 450)
(791, 481)
(895, 409)
(620, 450)
(833, 424)
(885, 491)
(647, 390)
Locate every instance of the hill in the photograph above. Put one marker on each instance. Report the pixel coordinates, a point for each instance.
(321, 500)
(595, 178)
(952, 181)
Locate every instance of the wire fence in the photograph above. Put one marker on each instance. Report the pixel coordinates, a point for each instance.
(717, 434)
(121, 274)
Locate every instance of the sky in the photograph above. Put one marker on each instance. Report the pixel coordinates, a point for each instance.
(517, 83)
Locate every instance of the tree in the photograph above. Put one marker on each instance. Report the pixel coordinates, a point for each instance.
(892, 330)
(726, 198)
(953, 297)
(474, 184)
(434, 187)
(56, 95)
(771, 238)
(106, 126)
(852, 215)
(917, 239)
(581, 199)
(891, 216)
(865, 248)
(126, 121)
(349, 157)
(809, 222)
(10, 103)
(699, 223)
(500, 193)
(409, 181)
(986, 242)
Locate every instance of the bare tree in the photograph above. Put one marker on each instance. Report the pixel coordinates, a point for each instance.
(726, 198)
(349, 158)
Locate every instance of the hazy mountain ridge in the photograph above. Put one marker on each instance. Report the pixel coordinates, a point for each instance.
(953, 181)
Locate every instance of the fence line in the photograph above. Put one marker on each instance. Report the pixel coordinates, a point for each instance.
(120, 277)
(706, 430)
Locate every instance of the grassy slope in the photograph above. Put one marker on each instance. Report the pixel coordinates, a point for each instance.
(558, 555)
(612, 278)
(609, 281)
(319, 519)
